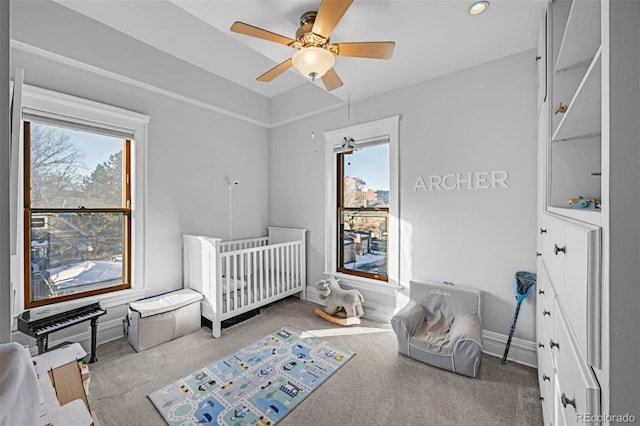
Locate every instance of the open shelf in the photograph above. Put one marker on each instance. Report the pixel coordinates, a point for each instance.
(583, 115)
(591, 216)
(581, 37)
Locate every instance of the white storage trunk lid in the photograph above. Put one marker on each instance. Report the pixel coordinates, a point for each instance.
(165, 302)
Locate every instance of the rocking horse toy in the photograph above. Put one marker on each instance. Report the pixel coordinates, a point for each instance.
(347, 303)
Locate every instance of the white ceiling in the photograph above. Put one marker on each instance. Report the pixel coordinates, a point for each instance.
(433, 37)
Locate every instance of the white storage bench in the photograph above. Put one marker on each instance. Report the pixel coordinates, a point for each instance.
(163, 318)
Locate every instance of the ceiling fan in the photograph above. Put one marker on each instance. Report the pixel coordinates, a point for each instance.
(315, 56)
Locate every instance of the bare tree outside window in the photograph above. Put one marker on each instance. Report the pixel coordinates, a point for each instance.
(77, 208)
(55, 167)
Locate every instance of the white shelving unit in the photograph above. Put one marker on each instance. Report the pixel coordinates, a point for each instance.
(587, 293)
(582, 118)
(569, 239)
(574, 150)
(581, 37)
(591, 216)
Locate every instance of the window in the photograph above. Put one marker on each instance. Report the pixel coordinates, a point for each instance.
(363, 211)
(77, 207)
(362, 224)
(80, 201)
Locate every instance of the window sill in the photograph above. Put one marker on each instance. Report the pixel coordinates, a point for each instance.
(117, 298)
(368, 284)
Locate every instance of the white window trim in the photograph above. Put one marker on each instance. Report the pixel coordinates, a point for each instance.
(108, 117)
(386, 128)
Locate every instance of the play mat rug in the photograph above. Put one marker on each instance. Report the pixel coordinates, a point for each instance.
(256, 385)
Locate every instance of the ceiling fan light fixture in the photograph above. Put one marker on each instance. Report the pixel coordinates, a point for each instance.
(478, 7)
(313, 62)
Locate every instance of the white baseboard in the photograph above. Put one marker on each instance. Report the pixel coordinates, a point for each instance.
(372, 311)
(521, 351)
(107, 331)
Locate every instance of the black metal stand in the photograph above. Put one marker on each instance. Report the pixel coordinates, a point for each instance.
(94, 332)
(43, 343)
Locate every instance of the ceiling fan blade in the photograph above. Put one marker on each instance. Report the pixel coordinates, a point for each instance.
(250, 30)
(372, 49)
(331, 80)
(275, 71)
(329, 14)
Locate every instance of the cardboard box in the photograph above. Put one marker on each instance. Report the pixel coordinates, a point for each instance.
(64, 400)
(67, 382)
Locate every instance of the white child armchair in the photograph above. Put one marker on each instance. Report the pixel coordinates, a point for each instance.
(441, 326)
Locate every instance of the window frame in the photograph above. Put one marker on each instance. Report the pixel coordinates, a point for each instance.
(340, 208)
(124, 209)
(88, 114)
(386, 128)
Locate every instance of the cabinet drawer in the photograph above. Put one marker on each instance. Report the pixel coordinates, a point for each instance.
(545, 306)
(559, 416)
(577, 391)
(571, 255)
(581, 289)
(546, 377)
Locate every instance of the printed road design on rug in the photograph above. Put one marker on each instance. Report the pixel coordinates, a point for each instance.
(256, 385)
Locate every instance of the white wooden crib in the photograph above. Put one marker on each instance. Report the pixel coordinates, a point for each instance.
(239, 276)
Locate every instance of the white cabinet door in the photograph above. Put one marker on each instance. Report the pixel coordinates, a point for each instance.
(580, 292)
(571, 255)
(577, 391)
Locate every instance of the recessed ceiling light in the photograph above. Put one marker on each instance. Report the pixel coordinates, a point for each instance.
(478, 7)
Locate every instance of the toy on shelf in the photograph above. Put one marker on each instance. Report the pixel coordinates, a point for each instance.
(346, 303)
(582, 203)
(561, 109)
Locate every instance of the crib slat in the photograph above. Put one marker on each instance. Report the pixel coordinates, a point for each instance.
(263, 284)
(285, 273)
(252, 271)
(298, 252)
(242, 278)
(227, 282)
(276, 265)
(294, 251)
(270, 272)
(294, 268)
(281, 270)
(289, 267)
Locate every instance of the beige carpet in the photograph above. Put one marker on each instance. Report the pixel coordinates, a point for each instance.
(377, 387)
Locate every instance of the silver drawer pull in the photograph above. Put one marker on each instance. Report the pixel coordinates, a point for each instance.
(566, 401)
(540, 345)
(545, 377)
(552, 344)
(557, 249)
(540, 291)
(543, 231)
(545, 312)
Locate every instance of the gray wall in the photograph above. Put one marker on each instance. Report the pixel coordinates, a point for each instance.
(624, 205)
(190, 149)
(479, 119)
(5, 300)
